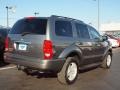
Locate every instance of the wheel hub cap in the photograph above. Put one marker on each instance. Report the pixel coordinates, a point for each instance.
(109, 60)
(72, 71)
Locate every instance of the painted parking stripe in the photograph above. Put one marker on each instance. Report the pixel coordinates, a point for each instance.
(7, 68)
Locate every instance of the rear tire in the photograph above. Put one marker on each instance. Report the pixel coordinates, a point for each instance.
(107, 61)
(69, 72)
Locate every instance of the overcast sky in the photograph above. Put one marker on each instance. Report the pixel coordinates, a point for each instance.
(85, 10)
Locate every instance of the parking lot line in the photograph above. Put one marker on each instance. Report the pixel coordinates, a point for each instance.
(7, 68)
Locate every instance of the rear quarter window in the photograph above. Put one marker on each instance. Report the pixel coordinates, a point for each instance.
(63, 28)
(34, 26)
(3, 32)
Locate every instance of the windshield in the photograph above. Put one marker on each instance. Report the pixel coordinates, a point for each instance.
(34, 26)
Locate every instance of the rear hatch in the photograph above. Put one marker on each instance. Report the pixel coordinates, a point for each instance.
(27, 37)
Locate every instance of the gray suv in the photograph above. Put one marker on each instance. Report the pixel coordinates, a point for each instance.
(58, 45)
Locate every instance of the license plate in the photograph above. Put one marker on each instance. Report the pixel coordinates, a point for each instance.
(22, 47)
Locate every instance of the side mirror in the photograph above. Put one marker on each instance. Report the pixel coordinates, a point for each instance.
(104, 38)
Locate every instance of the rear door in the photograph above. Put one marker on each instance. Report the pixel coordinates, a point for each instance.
(27, 37)
(84, 43)
(62, 36)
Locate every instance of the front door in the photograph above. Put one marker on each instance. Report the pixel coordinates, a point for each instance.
(98, 44)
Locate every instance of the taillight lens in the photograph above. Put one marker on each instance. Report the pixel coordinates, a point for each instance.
(118, 42)
(48, 49)
(6, 44)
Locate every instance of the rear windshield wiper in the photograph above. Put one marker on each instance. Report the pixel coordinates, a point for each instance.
(25, 33)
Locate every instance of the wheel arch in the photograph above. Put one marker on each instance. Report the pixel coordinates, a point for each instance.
(72, 51)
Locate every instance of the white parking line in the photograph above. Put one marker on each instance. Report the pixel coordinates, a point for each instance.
(7, 68)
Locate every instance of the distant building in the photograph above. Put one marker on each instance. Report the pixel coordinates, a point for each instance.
(4, 27)
(111, 28)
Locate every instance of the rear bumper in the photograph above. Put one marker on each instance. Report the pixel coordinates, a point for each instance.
(35, 63)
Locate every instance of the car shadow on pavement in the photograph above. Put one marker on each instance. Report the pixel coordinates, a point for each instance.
(2, 64)
(54, 75)
(47, 75)
(39, 74)
(44, 75)
(88, 69)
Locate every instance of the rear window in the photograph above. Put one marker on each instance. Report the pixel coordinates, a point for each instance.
(34, 26)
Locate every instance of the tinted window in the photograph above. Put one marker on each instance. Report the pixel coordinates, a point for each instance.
(35, 26)
(82, 31)
(3, 32)
(63, 28)
(94, 34)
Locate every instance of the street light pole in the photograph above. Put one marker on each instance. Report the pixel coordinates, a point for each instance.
(7, 16)
(7, 8)
(98, 12)
(36, 13)
(98, 15)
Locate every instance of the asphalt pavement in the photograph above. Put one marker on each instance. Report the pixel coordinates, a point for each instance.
(92, 79)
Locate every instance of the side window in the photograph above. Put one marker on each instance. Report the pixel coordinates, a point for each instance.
(82, 31)
(63, 28)
(94, 34)
(3, 32)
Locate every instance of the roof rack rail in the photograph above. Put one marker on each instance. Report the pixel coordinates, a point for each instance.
(66, 18)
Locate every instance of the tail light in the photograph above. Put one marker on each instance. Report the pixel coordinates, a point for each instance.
(6, 44)
(48, 49)
(118, 42)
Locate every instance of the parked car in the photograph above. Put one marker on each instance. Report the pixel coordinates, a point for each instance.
(58, 45)
(114, 41)
(114, 37)
(3, 35)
